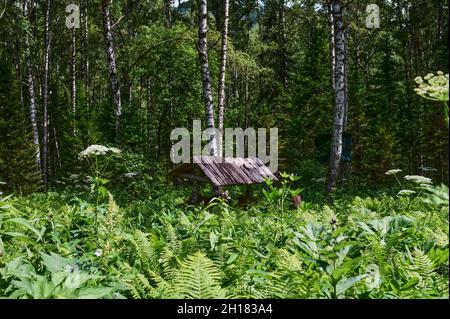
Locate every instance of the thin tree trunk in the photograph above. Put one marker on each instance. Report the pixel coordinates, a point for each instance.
(31, 91)
(73, 94)
(84, 60)
(283, 45)
(340, 99)
(223, 68)
(18, 71)
(170, 76)
(45, 134)
(149, 117)
(159, 132)
(346, 36)
(206, 78)
(246, 98)
(332, 47)
(58, 155)
(235, 84)
(109, 41)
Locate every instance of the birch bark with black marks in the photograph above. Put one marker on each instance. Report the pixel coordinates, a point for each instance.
(45, 134)
(332, 46)
(170, 75)
(110, 53)
(84, 59)
(347, 36)
(340, 99)
(73, 90)
(31, 88)
(223, 68)
(206, 78)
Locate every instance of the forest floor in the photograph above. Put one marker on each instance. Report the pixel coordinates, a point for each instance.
(78, 244)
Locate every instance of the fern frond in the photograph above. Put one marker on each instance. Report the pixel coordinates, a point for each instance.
(146, 250)
(288, 261)
(422, 268)
(173, 242)
(243, 291)
(198, 278)
(422, 263)
(169, 262)
(381, 256)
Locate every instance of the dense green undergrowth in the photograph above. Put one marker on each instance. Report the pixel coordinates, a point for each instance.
(66, 245)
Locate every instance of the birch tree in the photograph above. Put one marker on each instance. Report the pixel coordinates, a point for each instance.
(206, 78)
(223, 68)
(30, 83)
(84, 60)
(47, 49)
(110, 53)
(340, 97)
(73, 94)
(332, 46)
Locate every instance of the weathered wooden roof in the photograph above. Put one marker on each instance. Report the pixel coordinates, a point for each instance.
(225, 171)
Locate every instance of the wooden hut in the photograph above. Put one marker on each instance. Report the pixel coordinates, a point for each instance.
(221, 172)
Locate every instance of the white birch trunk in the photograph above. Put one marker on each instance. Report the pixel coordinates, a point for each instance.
(109, 41)
(223, 68)
(73, 94)
(204, 68)
(340, 98)
(31, 89)
(45, 134)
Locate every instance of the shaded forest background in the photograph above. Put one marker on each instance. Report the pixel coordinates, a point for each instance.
(278, 75)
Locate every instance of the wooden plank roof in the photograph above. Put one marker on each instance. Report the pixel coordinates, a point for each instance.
(225, 171)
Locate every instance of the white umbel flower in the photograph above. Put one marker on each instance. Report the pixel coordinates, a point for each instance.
(393, 171)
(418, 179)
(97, 150)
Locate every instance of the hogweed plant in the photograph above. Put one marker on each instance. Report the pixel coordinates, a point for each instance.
(98, 157)
(435, 88)
(278, 196)
(436, 195)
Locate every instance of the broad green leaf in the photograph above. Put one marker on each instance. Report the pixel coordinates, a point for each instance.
(232, 258)
(25, 223)
(213, 238)
(55, 263)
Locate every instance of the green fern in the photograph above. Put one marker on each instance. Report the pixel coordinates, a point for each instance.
(198, 278)
(422, 268)
(146, 250)
(171, 252)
